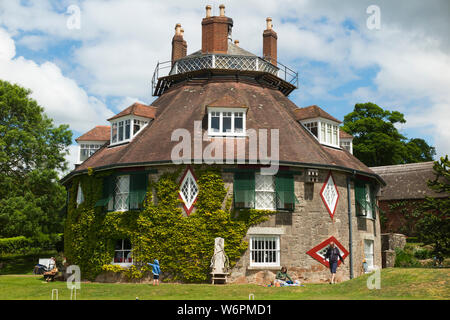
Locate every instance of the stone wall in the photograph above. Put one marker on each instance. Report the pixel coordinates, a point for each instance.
(306, 227)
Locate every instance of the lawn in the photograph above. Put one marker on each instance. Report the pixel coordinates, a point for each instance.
(396, 283)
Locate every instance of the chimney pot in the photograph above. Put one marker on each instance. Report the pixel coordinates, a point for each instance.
(178, 29)
(269, 23)
(208, 11)
(222, 10)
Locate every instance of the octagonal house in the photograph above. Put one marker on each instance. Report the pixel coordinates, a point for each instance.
(225, 95)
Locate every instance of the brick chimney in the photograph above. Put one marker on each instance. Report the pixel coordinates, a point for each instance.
(179, 46)
(215, 31)
(270, 43)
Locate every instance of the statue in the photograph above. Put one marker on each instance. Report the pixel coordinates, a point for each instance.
(219, 261)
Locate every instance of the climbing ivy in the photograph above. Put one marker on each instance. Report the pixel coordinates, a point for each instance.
(183, 245)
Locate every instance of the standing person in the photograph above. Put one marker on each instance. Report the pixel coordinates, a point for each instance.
(332, 255)
(156, 271)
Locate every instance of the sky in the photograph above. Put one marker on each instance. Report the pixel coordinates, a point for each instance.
(88, 60)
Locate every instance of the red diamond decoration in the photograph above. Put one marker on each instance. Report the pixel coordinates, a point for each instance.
(318, 251)
(188, 190)
(330, 195)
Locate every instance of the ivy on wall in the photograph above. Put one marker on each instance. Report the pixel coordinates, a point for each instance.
(183, 245)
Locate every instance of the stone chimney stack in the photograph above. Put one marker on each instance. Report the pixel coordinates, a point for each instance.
(179, 46)
(215, 31)
(270, 43)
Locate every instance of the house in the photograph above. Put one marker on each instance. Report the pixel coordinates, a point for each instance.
(221, 97)
(405, 190)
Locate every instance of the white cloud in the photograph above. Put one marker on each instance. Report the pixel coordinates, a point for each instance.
(121, 41)
(61, 97)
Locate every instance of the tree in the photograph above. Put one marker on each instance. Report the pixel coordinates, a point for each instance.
(377, 142)
(434, 226)
(32, 151)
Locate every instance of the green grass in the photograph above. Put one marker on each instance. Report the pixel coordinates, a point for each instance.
(396, 283)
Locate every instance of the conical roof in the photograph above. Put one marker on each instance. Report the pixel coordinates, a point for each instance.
(182, 105)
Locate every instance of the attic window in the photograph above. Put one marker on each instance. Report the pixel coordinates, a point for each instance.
(121, 129)
(327, 132)
(226, 121)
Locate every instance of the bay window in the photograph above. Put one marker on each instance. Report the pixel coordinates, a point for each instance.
(327, 132)
(123, 130)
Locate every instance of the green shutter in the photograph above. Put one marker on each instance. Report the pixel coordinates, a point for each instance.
(285, 195)
(360, 197)
(138, 190)
(108, 191)
(244, 190)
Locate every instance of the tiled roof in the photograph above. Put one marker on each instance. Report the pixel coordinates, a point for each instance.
(407, 181)
(232, 50)
(227, 102)
(137, 109)
(99, 133)
(185, 103)
(344, 135)
(313, 112)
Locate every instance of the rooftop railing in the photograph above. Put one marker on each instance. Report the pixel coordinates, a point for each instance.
(225, 62)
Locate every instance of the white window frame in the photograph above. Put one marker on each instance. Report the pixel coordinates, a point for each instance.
(125, 120)
(124, 194)
(86, 145)
(233, 112)
(347, 144)
(324, 126)
(258, 192)
(276, 251)
(369, 256)
(123, 264)
(192, 195)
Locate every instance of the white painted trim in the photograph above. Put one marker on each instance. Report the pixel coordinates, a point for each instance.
(265, 231)
(227, 134)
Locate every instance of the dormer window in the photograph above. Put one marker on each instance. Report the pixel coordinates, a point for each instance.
(121, 129)
(226, 122)
(321, 125)
(128, 123)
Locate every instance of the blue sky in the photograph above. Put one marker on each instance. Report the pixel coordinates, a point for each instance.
(83, 76)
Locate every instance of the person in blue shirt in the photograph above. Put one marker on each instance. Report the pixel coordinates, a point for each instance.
(156, 271)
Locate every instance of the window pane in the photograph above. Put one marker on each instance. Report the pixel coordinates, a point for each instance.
(120, 130)
(238, 124)
(136, 126)
(227, 122)
(114, 133)
(127, 129)
(215, 122)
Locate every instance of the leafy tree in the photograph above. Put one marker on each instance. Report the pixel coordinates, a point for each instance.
(32, 151)
(434, 226)
(377, 142)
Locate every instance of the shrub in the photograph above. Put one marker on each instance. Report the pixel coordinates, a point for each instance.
(23, 245)
(405, 259)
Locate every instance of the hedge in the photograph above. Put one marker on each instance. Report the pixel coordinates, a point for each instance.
(23, 245)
